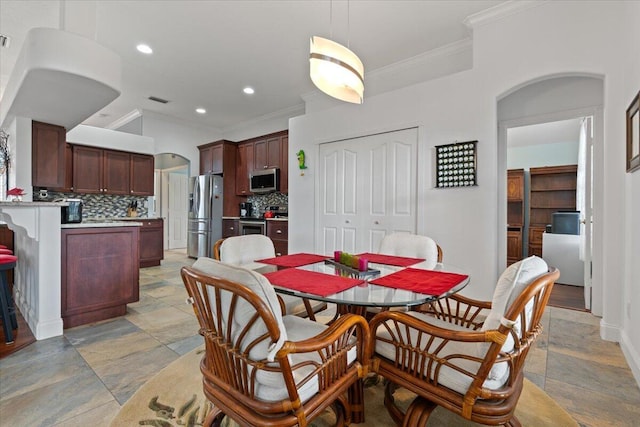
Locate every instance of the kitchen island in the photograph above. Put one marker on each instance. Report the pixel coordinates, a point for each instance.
(100, 270)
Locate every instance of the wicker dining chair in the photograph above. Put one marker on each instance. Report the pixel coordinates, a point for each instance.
(412, 246)
(261, 368)
(244, 250)
(464, 355)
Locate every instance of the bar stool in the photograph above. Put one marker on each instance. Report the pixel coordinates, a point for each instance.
(9, 321)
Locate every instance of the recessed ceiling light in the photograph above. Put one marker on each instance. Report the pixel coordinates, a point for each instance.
(201, 110)
(248, 90)
(144, 48)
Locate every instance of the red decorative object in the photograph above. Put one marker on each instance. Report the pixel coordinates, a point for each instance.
(15, 191)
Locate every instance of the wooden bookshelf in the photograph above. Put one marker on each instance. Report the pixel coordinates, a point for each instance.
(552, 189)
(515, 214)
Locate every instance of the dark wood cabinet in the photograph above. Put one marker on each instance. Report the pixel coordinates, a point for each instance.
(220, 158)
(244, 166)
(552, 189)
(94, 291)
(515, 214)
(151, 242)
(87, 169)
(284, 164)
(266, 153)
(142, 175)
(116, 172)
(102, 171)
(48, 155)
(278, 232)
(229, 228)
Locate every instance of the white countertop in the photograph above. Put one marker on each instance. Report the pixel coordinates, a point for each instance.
(32, 204)
(100, 223)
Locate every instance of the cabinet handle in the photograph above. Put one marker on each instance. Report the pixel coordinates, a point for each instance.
(278, 231)
(265, 167)
(231, 228)
(278, 254)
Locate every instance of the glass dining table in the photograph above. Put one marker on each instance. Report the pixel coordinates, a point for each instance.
(382, 286)
(368, 293)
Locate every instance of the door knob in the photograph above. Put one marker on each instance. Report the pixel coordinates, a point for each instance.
(376, 222)
(347, 222)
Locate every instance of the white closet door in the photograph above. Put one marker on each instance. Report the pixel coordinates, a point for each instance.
(367, 189)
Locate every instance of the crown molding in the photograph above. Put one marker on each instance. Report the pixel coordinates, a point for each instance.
(285, 113)
(500, 11)
(130, 116)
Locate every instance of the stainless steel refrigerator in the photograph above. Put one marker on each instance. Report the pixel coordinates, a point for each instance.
(205, 214)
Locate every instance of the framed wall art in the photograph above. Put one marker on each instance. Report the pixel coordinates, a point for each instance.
(456, 165)
(633, 134)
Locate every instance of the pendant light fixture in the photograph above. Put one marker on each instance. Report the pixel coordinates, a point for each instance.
(336, 70)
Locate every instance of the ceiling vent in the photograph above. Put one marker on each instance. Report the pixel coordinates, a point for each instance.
(156, 99)
(4, 40)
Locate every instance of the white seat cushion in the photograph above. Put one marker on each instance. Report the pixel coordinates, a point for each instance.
(262, 288)
(240, 250)
(447, 377)
(411, 246)
(271, 385)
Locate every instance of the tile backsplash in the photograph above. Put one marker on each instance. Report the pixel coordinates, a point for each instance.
(101, 205)
(260, 202)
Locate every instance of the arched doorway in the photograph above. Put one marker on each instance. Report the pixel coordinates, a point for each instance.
(171, 175)
(555, 99)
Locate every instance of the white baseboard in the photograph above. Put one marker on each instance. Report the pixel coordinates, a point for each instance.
(632, 356)
(609, 332)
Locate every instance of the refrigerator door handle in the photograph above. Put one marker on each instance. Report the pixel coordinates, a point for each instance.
(196, 197)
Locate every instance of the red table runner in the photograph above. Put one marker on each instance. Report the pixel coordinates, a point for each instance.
(422, 281)
(399, 261)
(293, 260)
(311, 282)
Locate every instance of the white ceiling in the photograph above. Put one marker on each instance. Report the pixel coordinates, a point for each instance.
(205, 52)
(562, 131)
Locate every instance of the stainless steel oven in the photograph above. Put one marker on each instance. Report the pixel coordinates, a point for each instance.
(252, 227)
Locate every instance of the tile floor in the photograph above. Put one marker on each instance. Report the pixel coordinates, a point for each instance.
(83, 377)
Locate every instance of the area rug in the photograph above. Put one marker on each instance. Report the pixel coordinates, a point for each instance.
(174, 398)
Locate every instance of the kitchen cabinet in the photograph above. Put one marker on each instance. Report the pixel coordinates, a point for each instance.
(266, 153)
(220, 158)
(151, 242)
(91, 290)
(48, 155)
(142, 175)
(229, 228)
(244, 168)
(102, 171)
(278, 232)
(263, 152)
(284, 164)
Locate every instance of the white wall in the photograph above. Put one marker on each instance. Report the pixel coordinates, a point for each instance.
(630, 342)
(174, 136)
(113, 139)
(558, 154)
(591, 38)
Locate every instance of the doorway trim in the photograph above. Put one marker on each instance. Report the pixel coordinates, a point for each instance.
(596, 191)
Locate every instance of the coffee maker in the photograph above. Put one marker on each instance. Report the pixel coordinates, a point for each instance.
(245, 210)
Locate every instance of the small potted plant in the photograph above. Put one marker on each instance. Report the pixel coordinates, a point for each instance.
(16, 194)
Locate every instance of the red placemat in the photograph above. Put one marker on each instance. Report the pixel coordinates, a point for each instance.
(399, 261)
(293, 260)
(422, 281)
(311, 282)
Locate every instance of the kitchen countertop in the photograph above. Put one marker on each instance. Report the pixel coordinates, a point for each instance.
(256, 219)
(102, 223)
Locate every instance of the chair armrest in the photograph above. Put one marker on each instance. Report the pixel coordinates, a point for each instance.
(336, 337)
(458, 310)
(406, 319)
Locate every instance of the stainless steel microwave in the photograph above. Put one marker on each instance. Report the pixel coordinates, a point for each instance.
(264, 181)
